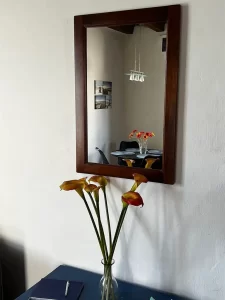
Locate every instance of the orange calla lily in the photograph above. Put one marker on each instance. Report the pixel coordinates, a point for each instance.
(99, 179)
(100, 182)
(92, 188)
(129, 162)
(83, 179)
(132, 198)
(138, 180)
(77, 185)
(96, 193)
(72, 184)
(149, 162)
(89, 188)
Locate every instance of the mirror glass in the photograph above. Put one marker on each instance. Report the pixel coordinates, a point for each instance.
(126, 69)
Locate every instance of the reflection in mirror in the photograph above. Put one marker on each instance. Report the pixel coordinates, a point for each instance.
(126, 68)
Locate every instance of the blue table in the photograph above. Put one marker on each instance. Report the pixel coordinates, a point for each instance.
(91, 280)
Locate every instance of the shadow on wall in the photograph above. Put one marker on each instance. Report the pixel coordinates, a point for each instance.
(13, 269)
(166, 240)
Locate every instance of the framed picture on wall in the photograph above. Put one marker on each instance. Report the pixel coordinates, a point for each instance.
(102, 94)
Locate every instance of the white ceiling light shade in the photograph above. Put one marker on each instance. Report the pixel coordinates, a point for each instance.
(137, 75)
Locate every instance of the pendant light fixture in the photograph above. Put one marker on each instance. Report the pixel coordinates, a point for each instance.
(136, 74)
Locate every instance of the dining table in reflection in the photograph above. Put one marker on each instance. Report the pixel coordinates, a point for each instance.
(139, 159)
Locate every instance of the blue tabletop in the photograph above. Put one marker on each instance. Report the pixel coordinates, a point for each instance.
(91, 291)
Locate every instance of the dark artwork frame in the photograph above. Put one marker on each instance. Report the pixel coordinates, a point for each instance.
(157, 16)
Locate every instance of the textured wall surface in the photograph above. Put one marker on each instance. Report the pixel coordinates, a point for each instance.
(177, 241)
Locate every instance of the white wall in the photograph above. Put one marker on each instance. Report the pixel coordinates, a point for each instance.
(144, 102)
(105, 61)
(177, 241)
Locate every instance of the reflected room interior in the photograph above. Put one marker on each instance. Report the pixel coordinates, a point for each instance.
(126, 69)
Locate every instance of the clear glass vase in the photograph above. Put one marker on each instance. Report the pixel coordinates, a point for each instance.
(143, 147)
(108, 284)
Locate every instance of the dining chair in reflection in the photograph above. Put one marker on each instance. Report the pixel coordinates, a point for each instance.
(103, 157)
(126, 145)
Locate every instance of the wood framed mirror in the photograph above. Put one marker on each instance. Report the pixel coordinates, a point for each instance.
(126, 79)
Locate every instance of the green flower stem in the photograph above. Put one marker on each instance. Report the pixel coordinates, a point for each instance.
(117, 233)
(93, 202)
(134, 186)
(95, 227)
(101, 230)
(108, 220)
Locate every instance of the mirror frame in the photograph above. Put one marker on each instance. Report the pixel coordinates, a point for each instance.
(169, 14)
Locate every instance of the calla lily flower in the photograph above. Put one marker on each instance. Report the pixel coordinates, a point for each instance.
(72, 184)
(100, 182)
(83, 179)
(149, 162)
(138, 180)
(99, 179)
(132, 198)
(90, 188)
(77, 185)
(96, 193)
(129, 162)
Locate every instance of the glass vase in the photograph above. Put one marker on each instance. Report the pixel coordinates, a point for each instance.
(143, 146)
(108, 284)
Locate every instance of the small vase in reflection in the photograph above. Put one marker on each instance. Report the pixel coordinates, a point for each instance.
(143, 147)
